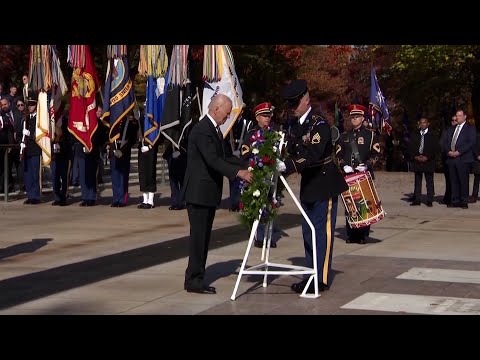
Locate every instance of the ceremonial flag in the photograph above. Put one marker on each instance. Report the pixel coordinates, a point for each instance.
(221, 78)
(377, 106)
(43, 128)
(119, 96)
(82, 120)
(153, 109)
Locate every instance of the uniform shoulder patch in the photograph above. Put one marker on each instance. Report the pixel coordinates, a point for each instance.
(245, 149)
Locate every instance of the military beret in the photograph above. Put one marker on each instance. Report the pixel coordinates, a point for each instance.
(294, 91)
(356, 109)
(263, 108)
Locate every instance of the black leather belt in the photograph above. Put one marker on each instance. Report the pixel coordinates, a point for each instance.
(322, 162)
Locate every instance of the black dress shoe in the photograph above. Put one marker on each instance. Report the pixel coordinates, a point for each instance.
(34, 201)
(362, 241)
(145, 206)
(173, 207)
(234, 209)
(83, 203)
(57, 203)
(463, 206)
(452, 205)
(298, 287)
(258, 244)
(429, 204)
(202, 290)
(28, 201)
(415, 203)
(91, 203)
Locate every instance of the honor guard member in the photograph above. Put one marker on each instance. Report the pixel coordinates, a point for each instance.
(120, 156)
(32, 154)
(61, 149)
(147, 170)
(357, 150)
(238, 133)
(88, 164)
(263, 115)
(310, 145)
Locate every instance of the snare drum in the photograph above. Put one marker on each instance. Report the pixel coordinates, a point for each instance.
(361, 200)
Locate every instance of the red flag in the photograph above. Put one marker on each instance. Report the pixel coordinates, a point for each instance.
(82, 121)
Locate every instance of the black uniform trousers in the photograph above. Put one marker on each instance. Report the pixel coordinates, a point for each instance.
(147, 170)
(459, 176)
(60, 169)
(201, 221)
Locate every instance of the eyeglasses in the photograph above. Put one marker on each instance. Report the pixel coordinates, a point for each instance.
(18, 105)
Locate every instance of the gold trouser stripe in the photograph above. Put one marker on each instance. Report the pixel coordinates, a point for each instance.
(329, 242)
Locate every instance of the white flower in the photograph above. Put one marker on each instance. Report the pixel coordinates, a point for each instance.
(255, 151)
(256, 193)
(250, 168)
(275, 148)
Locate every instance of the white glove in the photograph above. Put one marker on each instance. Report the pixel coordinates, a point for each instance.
(26, 132)
(117, 153)
(280, 166)
(144, 148)
(361, 168)
(175, 154)
(22, 146)
(348, 169)
(85, 150)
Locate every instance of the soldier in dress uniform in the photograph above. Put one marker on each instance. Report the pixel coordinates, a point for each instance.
(263, 115)
(357, 150)
(310, 154)
(237, 138)
(61, 154)
(120, 156)
(32, 154)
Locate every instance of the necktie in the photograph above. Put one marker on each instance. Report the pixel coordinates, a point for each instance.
(454, 138)
(422, 142)
(220, 135)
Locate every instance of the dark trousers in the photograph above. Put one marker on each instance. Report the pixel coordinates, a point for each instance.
(14, 162)
(176, 173)
(59, 167)
(75, 169)
(201, 221)
(476, 182)
(147, 170)
(120, 172)
(459, 178)
(87, 166)
(234, 192)
(417, 192)
(323, 215)
(447, 197)
(356, 234)
(32, 178)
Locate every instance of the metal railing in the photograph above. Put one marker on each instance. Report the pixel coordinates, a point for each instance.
(6, 166)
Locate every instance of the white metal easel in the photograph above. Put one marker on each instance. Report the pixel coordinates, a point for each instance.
(263, 268)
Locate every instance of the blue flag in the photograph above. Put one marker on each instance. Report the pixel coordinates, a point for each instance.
(119, 96)
(378, 107)
(153, 110)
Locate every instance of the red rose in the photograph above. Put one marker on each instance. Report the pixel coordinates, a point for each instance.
(252, 163)
(240, 205)
(265, 160)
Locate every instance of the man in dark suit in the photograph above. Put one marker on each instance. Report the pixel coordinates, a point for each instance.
(447, 197)
(423, 149)
(310, 154)
(206, 167)
(459, 146)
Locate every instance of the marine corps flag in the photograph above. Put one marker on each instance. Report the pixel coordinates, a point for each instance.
(221, 78)
(119, 96)
(82, 120)
(378, 107)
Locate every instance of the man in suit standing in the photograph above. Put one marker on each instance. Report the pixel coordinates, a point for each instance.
(459, 145)
(447, 197)
(423, 150)
(206, 167)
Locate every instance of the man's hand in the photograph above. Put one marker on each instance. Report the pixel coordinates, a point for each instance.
(144, 148)
(245, 175)
(117, 153)
(361, 168)
(26, 132)
(281, 166)
(175, 154)
(347, 169)
(22, 147)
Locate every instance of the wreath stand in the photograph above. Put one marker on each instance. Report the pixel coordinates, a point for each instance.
(286, 269)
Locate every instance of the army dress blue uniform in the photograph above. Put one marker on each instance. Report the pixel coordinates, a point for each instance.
(368, 147)
(310, 154)
(61, 155)
(120, 157)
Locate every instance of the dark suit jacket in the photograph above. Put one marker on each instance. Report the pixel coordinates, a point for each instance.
(431, 150)
(207, 164)
(465, 144)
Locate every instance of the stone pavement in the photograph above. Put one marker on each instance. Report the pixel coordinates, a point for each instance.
(103, 260)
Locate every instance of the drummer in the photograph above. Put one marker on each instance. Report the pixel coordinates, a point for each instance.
(357, 150)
